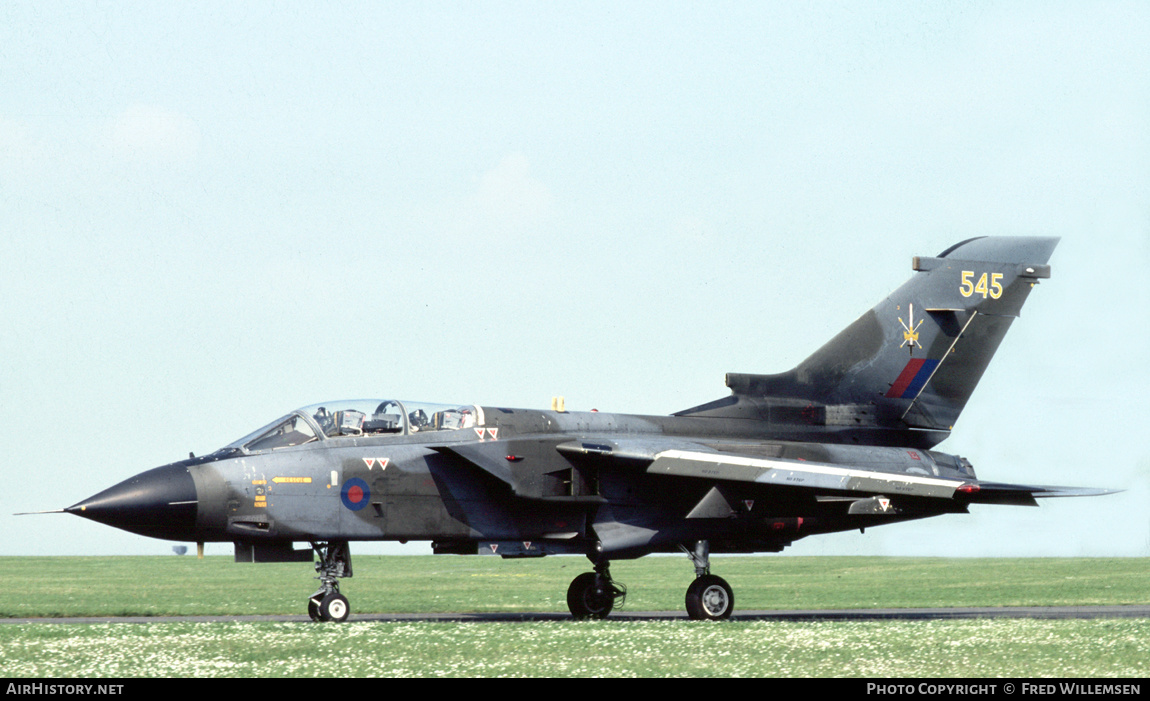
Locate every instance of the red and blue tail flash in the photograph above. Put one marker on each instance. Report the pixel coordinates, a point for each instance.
(912, 378)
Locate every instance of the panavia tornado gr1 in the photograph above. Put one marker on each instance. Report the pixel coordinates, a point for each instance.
(843, 441)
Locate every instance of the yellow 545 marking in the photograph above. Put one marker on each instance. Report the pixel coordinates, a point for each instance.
(969, 287)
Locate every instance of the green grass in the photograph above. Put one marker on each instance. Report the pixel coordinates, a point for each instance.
(156, 586)
(1025, 649)
(1019, 648)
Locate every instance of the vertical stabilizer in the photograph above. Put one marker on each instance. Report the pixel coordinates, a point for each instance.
(913, 360)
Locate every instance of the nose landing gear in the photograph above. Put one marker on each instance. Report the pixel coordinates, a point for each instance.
(327, 604)
(331, 607)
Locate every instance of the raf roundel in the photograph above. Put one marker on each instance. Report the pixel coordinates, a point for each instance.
(355, 494)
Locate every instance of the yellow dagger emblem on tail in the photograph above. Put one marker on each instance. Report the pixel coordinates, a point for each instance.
(910, 331)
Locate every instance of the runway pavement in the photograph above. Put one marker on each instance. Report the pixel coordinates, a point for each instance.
(1064, 612)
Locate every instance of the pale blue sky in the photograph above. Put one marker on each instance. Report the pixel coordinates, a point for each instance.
(212, 213)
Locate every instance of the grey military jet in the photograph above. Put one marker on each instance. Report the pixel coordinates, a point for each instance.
(843, 441)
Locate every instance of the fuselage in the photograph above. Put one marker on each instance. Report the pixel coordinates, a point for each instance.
(390, 470)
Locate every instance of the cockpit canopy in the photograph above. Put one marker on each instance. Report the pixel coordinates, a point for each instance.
(358, 417)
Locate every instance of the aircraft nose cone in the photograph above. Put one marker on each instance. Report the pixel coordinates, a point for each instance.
(160, 503)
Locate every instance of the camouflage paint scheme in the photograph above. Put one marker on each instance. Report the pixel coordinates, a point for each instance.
(843, 441)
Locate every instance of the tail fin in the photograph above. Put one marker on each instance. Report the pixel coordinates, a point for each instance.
(913, 360)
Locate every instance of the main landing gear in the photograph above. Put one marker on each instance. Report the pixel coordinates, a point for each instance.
(593, 595)
(328, 604)
(709, 598)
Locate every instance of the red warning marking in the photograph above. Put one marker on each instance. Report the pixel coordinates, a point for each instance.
(383, 463)
(494, 547)
(370, 462)
(913, 455)
(479, 432)
(493, 432)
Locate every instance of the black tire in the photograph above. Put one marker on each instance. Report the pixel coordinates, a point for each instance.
(587, 601)
(710, 598)
(313, 609)
(334, 608)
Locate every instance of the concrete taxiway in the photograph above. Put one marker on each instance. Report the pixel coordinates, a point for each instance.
(1056, 612)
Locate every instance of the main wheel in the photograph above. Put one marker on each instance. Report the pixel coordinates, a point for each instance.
(334, 608)
(586, 600)
(710, 598)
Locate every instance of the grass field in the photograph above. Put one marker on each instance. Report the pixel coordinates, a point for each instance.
(155, 586)
(972, 648)
(93, 586)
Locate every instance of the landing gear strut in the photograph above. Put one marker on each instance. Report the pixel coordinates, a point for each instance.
(709, 598)
(328, 604)
(592, 595)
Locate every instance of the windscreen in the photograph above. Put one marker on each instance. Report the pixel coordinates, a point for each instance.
(358, 417)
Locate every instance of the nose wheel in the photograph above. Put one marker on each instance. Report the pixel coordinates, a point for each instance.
(328, 605)
(328, 608)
